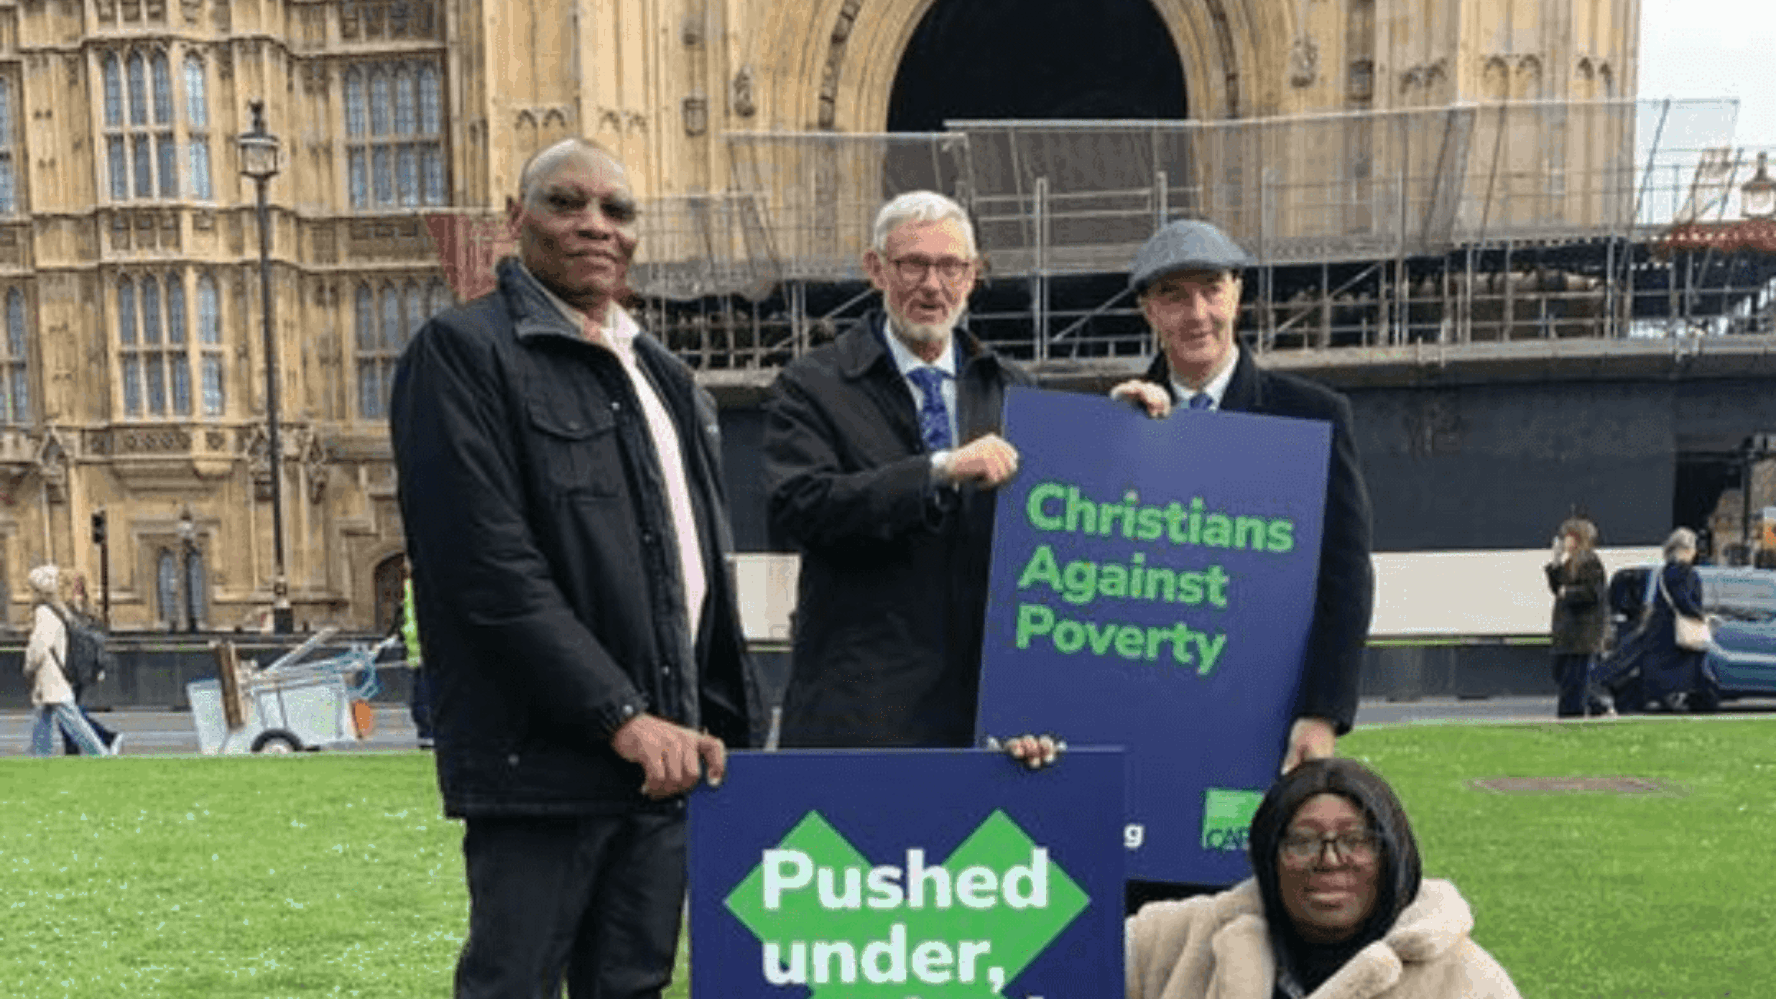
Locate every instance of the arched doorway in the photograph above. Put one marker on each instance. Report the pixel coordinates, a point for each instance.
(389, 580)
(1037, 59)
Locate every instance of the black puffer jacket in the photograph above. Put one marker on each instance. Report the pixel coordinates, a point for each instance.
(540, 537)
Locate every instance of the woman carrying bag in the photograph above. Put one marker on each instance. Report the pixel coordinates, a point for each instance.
(1671, 667)
(52, 696)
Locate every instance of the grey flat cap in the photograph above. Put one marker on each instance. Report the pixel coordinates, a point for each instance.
(1184, 245)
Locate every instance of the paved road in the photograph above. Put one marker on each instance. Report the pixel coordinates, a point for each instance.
(172, 731)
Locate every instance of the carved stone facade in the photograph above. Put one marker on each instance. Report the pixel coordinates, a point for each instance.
(103, 146)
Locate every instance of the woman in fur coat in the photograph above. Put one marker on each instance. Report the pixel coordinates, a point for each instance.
(1337, 909)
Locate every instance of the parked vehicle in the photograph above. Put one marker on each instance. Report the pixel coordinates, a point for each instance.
(1741, 660)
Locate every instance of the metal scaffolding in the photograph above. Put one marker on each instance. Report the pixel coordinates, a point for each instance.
(1597, 221)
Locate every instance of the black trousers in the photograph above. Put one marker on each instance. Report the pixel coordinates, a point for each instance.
(594, 902)
(1572, 672)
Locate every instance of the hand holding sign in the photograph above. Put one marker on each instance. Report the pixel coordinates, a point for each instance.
(987, 461)
(1154, 399)
(1309, 739)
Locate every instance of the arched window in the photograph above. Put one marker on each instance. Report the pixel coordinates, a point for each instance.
(130, 357)
(8, 178)
(369, 368)
(382, 168)
(116, 155)
(357, 129)
(142, 158)
(138, 89)
(178, 356)
(166, 589)
(153, 357)
(197, 128)
(415, 312)
(406, 124)
(209, 339)
(15, 380)
(143, 127)
(431, 123)
(166, 148)
(386, 319)
(441, 298)
(389, 582)
(153, 346)
(394, 125)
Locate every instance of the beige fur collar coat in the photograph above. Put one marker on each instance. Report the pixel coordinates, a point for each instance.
(1218, 947)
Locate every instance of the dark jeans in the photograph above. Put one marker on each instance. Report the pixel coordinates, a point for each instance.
(106, 736)
(594, 901)
(1572, 671)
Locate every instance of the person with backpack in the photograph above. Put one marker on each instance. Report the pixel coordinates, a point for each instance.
(46, 654)
(88, 659)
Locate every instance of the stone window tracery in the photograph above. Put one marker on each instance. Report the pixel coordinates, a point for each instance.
(154, 348)
(15, 363)
(143, 126)
(394, 126)
(9, 200)
(386, 319)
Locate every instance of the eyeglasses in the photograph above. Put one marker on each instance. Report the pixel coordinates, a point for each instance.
(914, 269)
(1355, 847)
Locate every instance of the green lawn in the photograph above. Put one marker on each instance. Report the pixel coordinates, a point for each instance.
(333, 875)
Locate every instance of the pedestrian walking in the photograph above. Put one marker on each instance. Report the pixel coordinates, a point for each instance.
(53, 706)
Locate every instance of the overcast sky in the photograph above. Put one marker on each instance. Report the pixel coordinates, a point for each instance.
(1714, 48)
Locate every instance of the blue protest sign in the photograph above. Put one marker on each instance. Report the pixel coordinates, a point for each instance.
(1152, 587)
(907, 873)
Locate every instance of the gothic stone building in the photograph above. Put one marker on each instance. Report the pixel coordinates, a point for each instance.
(132, 377)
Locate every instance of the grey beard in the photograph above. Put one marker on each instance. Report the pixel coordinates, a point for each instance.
(925, 333)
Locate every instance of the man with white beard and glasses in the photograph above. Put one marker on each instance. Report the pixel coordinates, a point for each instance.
(882, 453)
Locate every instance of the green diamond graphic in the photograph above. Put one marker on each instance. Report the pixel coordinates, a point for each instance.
(826, 917)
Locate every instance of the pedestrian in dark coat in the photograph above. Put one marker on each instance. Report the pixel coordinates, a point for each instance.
(1671, 676)
(1581, 616)
(882, 451)
(562, 497)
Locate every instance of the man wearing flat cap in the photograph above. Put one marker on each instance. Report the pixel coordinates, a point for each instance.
(1187, 277)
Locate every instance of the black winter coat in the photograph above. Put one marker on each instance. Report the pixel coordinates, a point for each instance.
(1664, 667)
(893, 585)
(1345, 595)
(539, 531)
(1581, 607)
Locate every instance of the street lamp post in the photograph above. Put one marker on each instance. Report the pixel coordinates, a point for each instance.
(188, 553)
(259, 160)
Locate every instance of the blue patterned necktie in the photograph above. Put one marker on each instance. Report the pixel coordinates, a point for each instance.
(934, 416)
(1202, 400)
